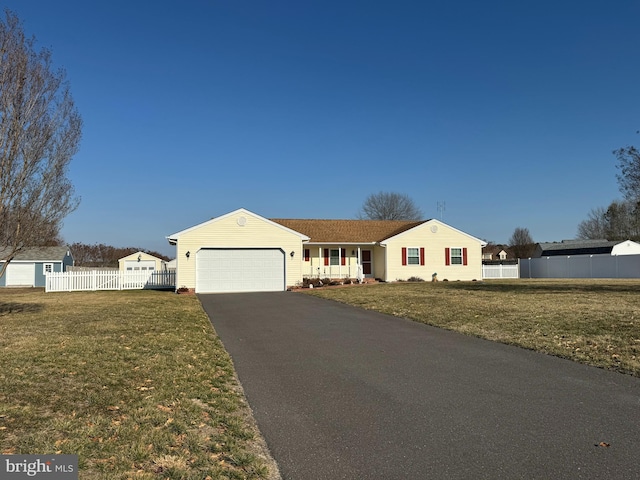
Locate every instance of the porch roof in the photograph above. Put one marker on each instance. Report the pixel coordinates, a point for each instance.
(347, 231)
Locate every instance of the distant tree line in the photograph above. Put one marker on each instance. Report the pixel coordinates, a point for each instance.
(101, 255)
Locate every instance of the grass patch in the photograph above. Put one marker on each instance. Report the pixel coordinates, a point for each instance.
(596, 322)
(136, 383)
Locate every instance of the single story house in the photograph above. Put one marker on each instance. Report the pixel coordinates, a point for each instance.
(141, 261)
(29, 266)
(586, 247)
(242, 251)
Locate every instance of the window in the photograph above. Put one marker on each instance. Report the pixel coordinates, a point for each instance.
(455, 256)
(412, 256)
(307, 255)
(47, 268)
(335, 256)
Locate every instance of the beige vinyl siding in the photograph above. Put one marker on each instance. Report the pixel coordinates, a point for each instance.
(143, 257)
(378, 256)
(230, 231)
(434, 244)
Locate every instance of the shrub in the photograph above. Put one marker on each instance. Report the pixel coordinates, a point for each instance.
(415, 279)
(315, 282)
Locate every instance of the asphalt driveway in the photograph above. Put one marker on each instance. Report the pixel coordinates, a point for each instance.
(343, 393)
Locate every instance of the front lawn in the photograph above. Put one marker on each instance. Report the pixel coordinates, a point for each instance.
(596, 322)
(136, 383)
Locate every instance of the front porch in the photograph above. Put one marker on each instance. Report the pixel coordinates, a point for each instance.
(338, 262)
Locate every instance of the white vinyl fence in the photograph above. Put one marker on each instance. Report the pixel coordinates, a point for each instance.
(108, 280)
(500, 271)
(581, 266)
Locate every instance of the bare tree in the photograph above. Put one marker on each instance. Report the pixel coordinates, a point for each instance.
(40, 131)
(619, 221)
(389, 206)
(622, 220)
(595, 226)
(521, 243)
(629, 176)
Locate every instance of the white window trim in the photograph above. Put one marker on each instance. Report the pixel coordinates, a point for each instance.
(417, 256)
(451, 256)
(332, 257)
(44, 268)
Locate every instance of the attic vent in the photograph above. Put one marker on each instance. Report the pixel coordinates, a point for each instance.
(242, 221)
(434, 228)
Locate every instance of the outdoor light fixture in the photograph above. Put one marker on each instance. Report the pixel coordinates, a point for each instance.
(292, 253)
(188, 253)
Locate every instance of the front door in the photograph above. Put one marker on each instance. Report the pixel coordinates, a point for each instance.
(366, 262)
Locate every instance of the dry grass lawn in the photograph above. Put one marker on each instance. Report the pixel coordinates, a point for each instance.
(596, 322)
(135, 383)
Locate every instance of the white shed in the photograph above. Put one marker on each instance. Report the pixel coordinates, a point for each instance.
(626, 248)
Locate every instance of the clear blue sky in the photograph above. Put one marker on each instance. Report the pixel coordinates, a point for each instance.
(506, 111)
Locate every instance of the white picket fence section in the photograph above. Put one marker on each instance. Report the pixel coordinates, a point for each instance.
(500, 271)
(108, 280)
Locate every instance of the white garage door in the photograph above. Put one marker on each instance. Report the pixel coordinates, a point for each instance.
(139, 265)
(240, 270)
(21, 274)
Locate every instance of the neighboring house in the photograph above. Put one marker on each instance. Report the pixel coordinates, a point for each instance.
(28, 267)
(586, 247)
(496, 253)
(141, 261)
(242, 251)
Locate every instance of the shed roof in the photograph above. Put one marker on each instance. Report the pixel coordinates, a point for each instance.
(37, 254)
(576, 247)
(347, 231)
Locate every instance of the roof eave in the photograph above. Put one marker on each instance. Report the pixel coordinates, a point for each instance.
(341, 243)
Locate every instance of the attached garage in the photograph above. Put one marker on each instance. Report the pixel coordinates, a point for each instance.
(238, 252)
(240, 270)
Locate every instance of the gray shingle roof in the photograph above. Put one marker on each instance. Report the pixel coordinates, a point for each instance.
(38, 254)
(576, 247)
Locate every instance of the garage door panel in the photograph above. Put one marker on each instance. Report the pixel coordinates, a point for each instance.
(240, 270)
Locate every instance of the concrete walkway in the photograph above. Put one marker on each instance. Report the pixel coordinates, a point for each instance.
(343, 393)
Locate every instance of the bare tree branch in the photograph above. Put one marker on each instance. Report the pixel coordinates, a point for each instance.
(629, 176)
